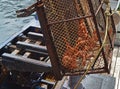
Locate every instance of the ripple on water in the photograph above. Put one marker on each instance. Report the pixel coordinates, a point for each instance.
(9, 23)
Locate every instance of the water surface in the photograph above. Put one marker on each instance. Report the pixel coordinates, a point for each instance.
(9, 23)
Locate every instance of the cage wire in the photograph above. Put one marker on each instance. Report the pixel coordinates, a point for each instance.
(77, 41)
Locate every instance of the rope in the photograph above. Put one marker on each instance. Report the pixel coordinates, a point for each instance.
(107, 13)
(106, 1)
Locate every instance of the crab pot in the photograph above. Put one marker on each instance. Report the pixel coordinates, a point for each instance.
(74, 31)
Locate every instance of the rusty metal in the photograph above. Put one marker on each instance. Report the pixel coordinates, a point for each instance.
(15, 62)
(113, 23)
(91, 71)
(26, 66)
(24, 45)
(28, 11)
(103, 52)
(73, 32)
(48, 40)
(98, 33)
(60, 27)
(76, 18)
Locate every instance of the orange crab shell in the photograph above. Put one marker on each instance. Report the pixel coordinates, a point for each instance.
(69, 62)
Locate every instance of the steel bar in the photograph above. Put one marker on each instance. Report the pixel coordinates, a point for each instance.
(23, 64)
(28, 11)
(23, 45)
(76, 18)
(37, 52)
(49, 43)
(35, 36)
(95, 22)
(110, 40)
(91, 71)
(113, 23)
(22, 37)
(96, 26)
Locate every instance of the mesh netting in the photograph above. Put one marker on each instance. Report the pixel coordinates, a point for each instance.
(58, 10)
(76, 41)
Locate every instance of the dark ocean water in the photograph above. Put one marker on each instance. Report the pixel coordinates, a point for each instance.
(9, 23)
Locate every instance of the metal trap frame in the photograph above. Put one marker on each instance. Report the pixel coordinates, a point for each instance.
(74, 31)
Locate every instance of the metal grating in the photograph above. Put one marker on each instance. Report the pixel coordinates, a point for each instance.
(77, 41)
(56, 11)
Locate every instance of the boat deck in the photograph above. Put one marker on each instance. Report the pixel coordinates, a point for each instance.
(115, 66)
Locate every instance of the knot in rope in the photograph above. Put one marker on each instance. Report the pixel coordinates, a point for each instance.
(107, 11)
(106, 1)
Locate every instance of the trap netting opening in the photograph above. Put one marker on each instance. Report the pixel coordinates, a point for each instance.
(77, 33)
